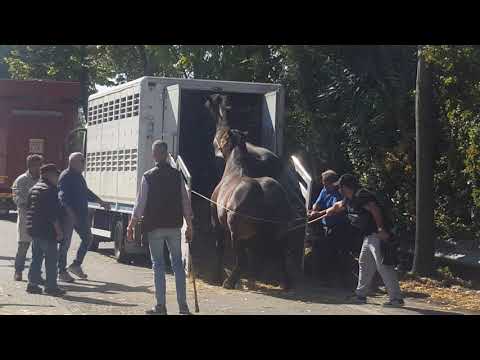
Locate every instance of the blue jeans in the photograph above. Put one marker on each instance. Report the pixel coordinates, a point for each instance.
(41, 248)
(83, 230)
(157, 240)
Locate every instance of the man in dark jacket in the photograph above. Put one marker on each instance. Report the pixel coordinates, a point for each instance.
(163, 203)
(334, 245)
(44, 226)
(74, 196)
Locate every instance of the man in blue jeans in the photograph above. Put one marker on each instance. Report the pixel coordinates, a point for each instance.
(44, 226)
(163, 202)
(74, 196)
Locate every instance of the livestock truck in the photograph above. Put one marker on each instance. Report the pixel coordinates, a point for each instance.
(123, 122)
(35, 118)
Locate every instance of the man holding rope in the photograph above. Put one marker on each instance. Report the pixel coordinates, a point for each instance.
(163, 202)
(364, 213)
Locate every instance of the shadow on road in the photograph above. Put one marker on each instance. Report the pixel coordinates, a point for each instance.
(7, 258)
(104, 287)
(87, 300)
(28, 305)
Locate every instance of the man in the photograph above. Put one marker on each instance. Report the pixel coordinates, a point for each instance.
(162, 200)
(74, 196)
(20, 188)
(335, 242)
(44, 226)
(364, 214)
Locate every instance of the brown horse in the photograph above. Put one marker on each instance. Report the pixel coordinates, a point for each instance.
(254, 213)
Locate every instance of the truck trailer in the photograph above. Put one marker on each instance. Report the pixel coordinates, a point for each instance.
(123, 122)
(35, 118)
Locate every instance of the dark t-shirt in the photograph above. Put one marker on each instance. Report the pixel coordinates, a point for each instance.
(360, 218)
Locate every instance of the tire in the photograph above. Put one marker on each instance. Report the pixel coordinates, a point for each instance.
(119, 243)
(4, 213)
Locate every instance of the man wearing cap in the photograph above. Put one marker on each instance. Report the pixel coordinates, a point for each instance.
(20, 188)
(364, 214)
(74, 196)
(44, 226)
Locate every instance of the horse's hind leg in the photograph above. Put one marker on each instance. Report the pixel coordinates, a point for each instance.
(253, 267)
(220, 251)
(285, 281)
(240, 259)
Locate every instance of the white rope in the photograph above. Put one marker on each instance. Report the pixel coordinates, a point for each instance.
(255, 218)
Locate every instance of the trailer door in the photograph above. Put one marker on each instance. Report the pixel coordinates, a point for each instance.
(171, 118)
(271, 122)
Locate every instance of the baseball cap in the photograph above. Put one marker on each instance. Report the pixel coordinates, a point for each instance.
(347, 180)
(49, 168)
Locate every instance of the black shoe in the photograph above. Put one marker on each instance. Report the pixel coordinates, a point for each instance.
(157, 310)
(356, 299)
(184, 310)
(55, 292)
(394, 303)
(34, 289)
(18, 276)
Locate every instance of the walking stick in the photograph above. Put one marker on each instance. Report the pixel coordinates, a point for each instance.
(192, 272)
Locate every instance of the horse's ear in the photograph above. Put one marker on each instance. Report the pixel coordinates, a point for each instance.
(212, 100)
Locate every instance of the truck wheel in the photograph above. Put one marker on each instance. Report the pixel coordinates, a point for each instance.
(4, 213)
(119, 243)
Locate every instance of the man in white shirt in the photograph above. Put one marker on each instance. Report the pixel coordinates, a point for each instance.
(20, 188)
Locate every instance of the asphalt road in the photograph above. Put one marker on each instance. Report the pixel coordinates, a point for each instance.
(117, 289)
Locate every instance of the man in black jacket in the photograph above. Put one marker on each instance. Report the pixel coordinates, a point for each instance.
(44, 226)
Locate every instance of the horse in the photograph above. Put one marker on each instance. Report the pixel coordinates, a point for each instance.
(261, 163)
(252, 212)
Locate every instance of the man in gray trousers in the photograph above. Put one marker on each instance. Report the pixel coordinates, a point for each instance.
(365, 215)
(20, 188)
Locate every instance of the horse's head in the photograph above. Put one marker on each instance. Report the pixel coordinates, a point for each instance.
(219, 105)
(229, 140)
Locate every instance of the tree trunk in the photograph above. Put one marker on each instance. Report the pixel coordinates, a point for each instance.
(147, 69)
(84, 80)
(424, 235)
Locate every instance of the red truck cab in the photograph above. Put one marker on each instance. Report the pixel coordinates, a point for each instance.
(36, 117)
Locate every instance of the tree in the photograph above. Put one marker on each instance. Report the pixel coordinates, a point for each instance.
(424, 235)
(4, 51)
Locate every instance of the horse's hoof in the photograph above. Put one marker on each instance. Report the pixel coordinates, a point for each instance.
(285, 287)
(228, 285)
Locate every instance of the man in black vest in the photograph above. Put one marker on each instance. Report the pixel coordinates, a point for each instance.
(366, 217)
(163, 202)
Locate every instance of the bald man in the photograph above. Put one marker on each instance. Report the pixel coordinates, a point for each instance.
(74, 196)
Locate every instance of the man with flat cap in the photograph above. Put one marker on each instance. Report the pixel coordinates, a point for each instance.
(44, 226)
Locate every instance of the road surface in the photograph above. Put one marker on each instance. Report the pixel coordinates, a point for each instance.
(117, 289)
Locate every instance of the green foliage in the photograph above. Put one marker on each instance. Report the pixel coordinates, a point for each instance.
(350, 108)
